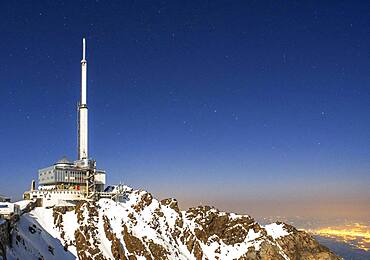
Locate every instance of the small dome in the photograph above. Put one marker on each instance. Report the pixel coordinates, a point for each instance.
(64, 160)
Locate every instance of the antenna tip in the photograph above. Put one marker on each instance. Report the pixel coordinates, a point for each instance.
(83, 48)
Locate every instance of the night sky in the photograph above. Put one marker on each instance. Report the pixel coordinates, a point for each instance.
(258, 107)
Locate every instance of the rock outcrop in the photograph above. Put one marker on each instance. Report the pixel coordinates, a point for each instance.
(4, 237)
(142, 227)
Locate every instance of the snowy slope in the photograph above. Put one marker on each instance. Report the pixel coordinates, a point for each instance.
(142, 227)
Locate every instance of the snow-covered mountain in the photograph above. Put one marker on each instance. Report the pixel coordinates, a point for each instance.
(142, 227)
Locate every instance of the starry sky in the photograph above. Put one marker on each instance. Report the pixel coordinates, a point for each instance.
(258, 107)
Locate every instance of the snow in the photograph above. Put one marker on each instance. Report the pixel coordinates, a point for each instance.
(70, 225)
(105, 243)
(115, 213)
(234, 216)
(276, 230)
(23, 204)
(252, 235)
(45, 218)
(232, 251)
(36, 244)
(170, 216)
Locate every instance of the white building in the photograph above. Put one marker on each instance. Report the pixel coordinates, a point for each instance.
(51, 198)
(66, 175)
(8, 210)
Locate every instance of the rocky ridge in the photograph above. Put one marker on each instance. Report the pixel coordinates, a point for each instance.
(142, 227)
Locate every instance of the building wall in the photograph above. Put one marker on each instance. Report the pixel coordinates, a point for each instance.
(56, 197)
(7, 209)
(100, 177)
(57, 175)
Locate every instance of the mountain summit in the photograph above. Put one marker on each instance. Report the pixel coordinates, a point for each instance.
(141, 227)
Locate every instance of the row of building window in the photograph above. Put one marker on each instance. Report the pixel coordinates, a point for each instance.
(63, 176)
(58, 192)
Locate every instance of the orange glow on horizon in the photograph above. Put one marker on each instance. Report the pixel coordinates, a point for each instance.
(356, 234)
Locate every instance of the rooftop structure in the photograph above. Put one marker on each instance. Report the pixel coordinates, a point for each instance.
(8, 210)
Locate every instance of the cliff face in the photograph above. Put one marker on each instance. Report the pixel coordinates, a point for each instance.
(143, 228)
(4, 237)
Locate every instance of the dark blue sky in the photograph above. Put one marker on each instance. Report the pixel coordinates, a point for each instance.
(254, 106)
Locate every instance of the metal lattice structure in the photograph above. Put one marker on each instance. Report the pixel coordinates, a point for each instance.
(90, 184)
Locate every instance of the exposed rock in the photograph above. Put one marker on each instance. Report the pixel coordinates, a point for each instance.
(158, 251)
(212, 222)
(172, 203)
(144, 200)
(300, 245)
(134, 245)
(87, 241)
(4, 238)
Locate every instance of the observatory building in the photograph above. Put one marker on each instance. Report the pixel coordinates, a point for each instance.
(69, 181)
